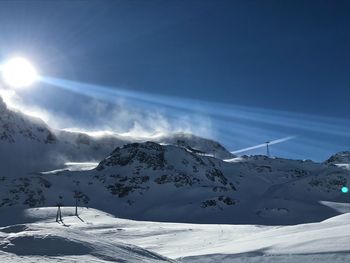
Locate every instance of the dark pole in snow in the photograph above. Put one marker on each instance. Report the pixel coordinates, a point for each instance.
(59, 213)
(76, 206)
(77, 196)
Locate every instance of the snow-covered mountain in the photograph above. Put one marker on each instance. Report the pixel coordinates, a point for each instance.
(179, 177)
(150, 181)
(28, 145)
(341, 157)
(196, 144)
(15, 126)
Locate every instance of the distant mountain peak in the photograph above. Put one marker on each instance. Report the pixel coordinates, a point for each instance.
(339, 158)
(196, 144)
(149, 153)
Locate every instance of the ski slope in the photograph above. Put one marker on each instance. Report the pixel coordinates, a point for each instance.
(99, 237)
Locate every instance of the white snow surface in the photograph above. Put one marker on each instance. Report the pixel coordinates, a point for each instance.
(74, 166)
(100, 237)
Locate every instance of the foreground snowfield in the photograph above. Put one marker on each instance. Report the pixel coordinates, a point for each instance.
(99, 237)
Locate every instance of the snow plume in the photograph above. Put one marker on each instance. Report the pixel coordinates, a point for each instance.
(15, 102)
(8, 96)
(98, 118)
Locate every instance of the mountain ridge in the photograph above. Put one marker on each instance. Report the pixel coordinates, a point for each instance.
(28, 144)
(150, 181)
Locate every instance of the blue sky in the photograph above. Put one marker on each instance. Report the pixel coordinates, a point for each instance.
(285, 62)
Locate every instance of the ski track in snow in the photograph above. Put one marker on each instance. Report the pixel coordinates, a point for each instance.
(99, 237)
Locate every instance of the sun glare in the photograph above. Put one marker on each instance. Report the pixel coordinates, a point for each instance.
(19, 73)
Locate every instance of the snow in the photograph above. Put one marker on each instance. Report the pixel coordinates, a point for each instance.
(47, 241)
(29, 145)
(148, 181)
(74, 166)
(100, 237)
(275, 210)
(339, 207)
(195, 144)
(343, 165)
(339, 158)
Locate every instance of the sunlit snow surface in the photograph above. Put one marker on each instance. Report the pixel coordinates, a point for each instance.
(100, 237)
(74, 166)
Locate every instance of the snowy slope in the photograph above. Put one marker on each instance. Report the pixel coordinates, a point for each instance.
(48, 241)
(99, 237)
(23, 141)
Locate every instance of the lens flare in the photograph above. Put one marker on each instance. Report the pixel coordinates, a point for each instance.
(19, 73)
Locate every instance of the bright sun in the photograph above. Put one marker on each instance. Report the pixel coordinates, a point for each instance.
(19, 72)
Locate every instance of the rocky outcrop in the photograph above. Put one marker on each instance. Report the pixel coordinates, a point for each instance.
(339, 158)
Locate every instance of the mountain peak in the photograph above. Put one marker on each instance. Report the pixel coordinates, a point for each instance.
(150, 153)
(196, 144)
(340, 158)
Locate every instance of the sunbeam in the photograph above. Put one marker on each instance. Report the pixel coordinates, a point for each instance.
(244, 115)
(236, 125)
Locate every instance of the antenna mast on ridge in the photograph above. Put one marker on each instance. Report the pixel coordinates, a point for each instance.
(267, 149)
